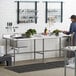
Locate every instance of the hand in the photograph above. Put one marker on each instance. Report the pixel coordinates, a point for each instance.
(63, 31)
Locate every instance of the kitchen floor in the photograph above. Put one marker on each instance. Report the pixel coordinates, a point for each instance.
(49, 72)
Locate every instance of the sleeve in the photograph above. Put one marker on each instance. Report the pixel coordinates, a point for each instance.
(71, 30)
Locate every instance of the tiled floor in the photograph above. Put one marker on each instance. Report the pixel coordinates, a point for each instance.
(49, 72)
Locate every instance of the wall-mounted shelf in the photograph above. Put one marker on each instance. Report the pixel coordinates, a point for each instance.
(54, 8)
(26, 14)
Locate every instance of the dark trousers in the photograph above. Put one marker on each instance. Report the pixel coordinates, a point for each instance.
(7, 59)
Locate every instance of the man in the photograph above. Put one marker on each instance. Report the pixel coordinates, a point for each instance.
(72, 29)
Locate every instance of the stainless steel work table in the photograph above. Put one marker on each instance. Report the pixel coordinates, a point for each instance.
(69, 48)
(35, 38)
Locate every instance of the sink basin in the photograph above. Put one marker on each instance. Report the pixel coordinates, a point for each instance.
(37, 35)
(15, 35)
(41, 35)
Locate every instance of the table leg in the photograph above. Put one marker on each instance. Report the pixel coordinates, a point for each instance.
(14, 49)
(60, 47)
(14, 56)
(34, 49)
(6, 46)
(43, 50)
(75, 62)
(65, 61)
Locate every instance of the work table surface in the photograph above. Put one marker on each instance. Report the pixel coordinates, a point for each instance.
(34, 37)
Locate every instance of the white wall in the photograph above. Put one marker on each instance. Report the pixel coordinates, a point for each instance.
(8, 14)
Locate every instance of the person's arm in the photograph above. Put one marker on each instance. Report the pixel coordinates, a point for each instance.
(71, 30)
